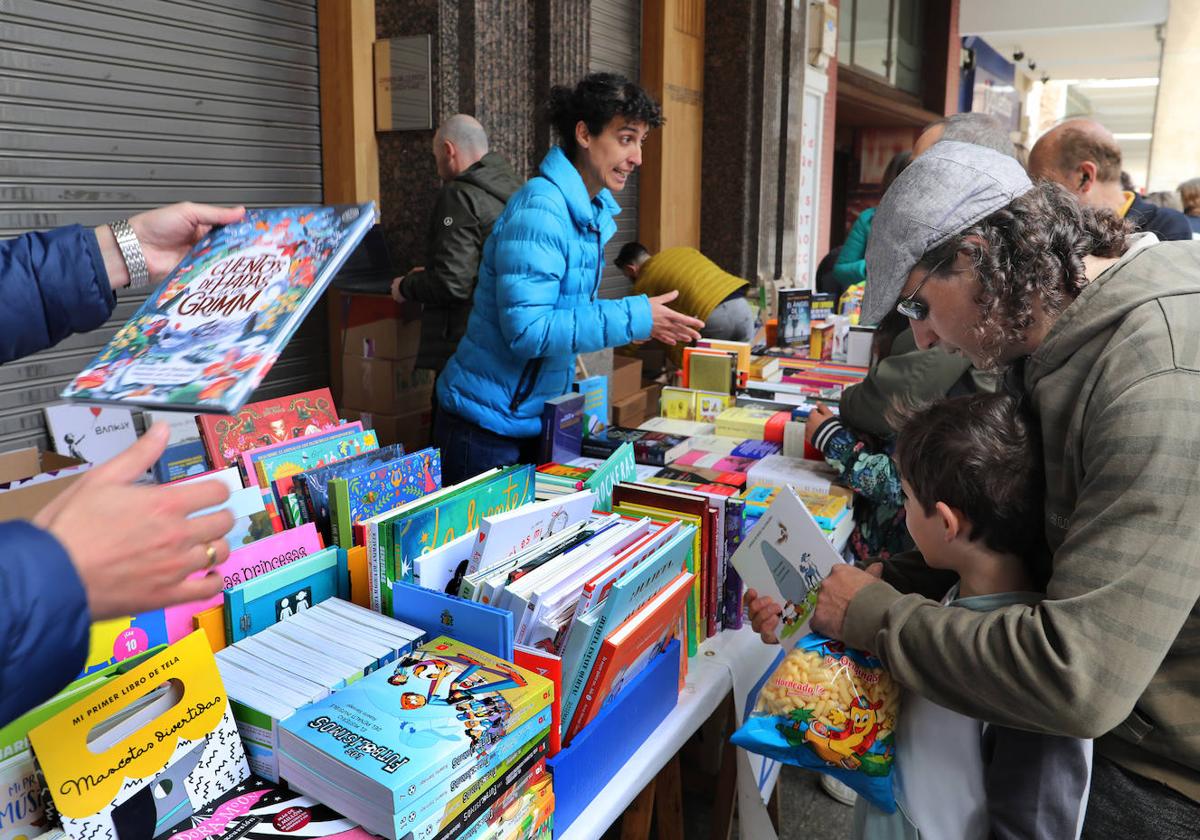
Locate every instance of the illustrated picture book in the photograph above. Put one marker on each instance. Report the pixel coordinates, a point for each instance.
(264, 423)
(206, 337)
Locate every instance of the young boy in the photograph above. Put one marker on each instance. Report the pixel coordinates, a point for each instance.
(971, 472)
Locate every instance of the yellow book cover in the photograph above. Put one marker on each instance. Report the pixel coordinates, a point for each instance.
(145, 751)
(710, 370)
(741, 348)
(710, 404)
(678, 403)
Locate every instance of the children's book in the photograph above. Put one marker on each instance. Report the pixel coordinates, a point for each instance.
(206, 337)
(438, 614)
(118, 640)
(637, 587)
(595, 403)
(395, 735)
(278, 470)
(448, 562)
(264, 423)
(180, 460)
(678, 403)
(242, 565)
(90, 433)
(548, 665)
(268, 599)
(617, 467)
(502, 535)
(248, 459)
(144, 752)
(181, 423)
(375, 488)
(426, 527)
(630, 647)
(786, 557)
(311, 487)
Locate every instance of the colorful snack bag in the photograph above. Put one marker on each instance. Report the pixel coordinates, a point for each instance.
(832, 709)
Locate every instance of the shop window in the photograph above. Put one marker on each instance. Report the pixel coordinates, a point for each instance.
(884, 38)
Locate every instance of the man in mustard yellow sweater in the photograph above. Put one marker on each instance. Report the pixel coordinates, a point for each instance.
(716, 297)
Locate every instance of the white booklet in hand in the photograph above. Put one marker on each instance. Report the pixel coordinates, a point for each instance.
(786, 556)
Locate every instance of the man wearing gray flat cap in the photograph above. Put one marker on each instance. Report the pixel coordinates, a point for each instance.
(1100, 329)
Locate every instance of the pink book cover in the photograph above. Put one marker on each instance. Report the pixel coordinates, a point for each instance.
(243, 565)
(733, 463)
(252, 456)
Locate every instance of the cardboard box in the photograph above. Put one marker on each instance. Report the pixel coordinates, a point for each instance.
(626, 378)
(653, 392)
(376, 327)
(386, 386)
(413, 429)
(630, 411)
(30, 479)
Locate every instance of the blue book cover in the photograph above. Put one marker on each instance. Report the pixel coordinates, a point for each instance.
(595, 404)
(756, 449)
(562, 429)
(438, 614)
(314, 483)
(403, 729)
(635, 588)
(205, 338)
(377, 488)
(268, 599)
(179, 460)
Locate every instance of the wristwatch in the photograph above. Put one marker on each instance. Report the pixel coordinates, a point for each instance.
(131, 252)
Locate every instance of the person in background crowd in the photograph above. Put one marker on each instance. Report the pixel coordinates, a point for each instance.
(1165, 198)
(1096, 325)
(535, 304)
(1083, 156)
(851, 265)
(706, 292)
(1189, 197)
(106, 547)
(476, 184)
(980, 129)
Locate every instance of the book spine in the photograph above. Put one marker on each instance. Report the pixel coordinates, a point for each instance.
(731, 585)
(587, 701)
(372, 534)
(339, 513)
(388, 568)
(712, 574)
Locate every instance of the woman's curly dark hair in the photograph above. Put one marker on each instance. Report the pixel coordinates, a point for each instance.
(596, 99)
(1031, 250)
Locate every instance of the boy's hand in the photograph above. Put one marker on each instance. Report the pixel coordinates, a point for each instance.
(834, 597)
(815, 418)
(764, 615)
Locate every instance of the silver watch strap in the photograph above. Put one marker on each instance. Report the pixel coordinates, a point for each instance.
(131, 252)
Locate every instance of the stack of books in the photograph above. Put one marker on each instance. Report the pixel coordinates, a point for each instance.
(300, 660)
(424, 747)
(653, 448)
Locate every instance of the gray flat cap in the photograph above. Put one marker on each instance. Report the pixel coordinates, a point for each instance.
(944, 191)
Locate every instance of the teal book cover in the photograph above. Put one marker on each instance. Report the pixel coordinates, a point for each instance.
(617, 467)
(280, 470)
(374, 489)
(268, 599)
(437, 524)
(595, 404)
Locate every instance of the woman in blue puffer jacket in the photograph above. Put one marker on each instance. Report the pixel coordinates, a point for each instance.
(535, 303)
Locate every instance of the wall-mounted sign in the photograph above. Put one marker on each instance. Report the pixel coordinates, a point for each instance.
(403, 84)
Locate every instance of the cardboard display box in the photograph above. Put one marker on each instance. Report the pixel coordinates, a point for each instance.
(653, 392)
(376, 327)
(629, 411)
(30, 479)
(386, 386)
(412, 429)
(626, 379)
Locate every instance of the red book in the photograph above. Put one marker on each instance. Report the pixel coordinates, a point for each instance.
(226, 436)
(549, 666)
(628, 649)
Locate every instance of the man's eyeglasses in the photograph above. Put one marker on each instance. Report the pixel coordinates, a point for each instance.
(910, 307)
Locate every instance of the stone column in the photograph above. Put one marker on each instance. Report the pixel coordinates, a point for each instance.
(1174, 152)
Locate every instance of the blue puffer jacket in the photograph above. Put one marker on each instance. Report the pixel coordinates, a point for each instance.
(52, 284)
(535, 304)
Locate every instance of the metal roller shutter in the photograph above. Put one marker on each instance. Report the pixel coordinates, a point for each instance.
(108, 107)
(616, 47)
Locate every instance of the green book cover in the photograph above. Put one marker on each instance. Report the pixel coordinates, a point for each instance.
(619, 466)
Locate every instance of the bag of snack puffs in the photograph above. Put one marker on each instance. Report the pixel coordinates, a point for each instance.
(829, 708)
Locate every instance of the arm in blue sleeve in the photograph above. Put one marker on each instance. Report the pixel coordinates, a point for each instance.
(44, 619)
(851, 266)
(53, 284)
(872, 475)
(530, 257)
